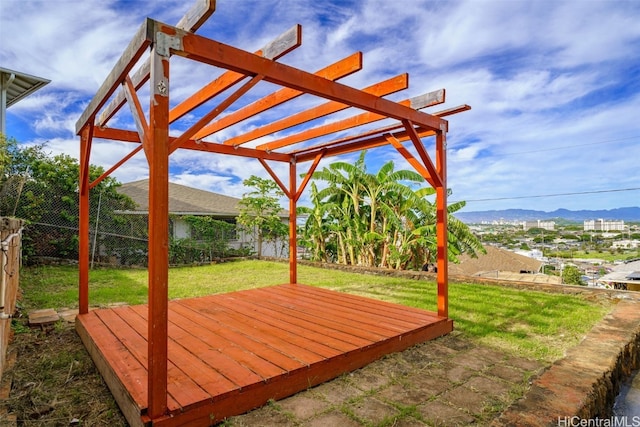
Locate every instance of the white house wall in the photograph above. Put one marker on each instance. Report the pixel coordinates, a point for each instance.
(278, 249)
(181, 230)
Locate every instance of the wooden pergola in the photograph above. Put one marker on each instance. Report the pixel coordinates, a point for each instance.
(154, 404)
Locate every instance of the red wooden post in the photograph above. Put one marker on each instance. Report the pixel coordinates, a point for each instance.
(157, 150)
(83, 225)
(441, 226)
(293, 238)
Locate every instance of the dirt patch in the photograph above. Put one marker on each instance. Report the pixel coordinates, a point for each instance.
(55, 383)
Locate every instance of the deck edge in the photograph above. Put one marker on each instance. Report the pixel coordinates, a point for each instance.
(127, 405)
(304, 378)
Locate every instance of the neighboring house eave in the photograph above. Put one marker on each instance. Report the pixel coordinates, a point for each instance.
(216, 214)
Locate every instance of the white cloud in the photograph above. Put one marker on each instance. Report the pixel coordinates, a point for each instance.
(540, 76)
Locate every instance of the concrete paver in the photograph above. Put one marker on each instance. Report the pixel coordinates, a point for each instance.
(453, 381)
(448, 381)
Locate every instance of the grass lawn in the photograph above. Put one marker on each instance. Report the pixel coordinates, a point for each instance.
(607, 256)
(530, 324)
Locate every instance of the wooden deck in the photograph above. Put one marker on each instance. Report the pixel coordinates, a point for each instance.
(232, 352)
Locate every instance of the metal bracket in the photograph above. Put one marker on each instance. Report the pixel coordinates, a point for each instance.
(165, 42)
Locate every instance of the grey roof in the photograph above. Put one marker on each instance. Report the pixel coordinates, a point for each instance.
(495, 259)
(628, 266)
(21, 85)
(628, 272)
(183, 200)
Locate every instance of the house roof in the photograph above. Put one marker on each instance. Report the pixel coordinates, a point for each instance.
(495, 259)
(20, 85)
(183, 200)
(628, 266)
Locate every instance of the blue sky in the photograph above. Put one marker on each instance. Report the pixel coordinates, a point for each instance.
(554, 85)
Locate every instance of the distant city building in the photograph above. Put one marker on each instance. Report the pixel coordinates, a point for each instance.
(545, 225)
(603, 225)
(626, 244)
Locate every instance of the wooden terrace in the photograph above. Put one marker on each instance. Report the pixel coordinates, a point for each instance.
(196, 361)
(229, 353)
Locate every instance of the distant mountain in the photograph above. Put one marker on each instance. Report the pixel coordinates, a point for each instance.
(625, 214)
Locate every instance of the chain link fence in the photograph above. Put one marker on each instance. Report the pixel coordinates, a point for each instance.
(118, 234)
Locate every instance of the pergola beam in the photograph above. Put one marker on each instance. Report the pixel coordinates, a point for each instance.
(191, 144)
(191, 21)
(193, 130)
(136, 109)
(419, 167)
(283, 44)
(386, 87)
(221, 55)
(337, 70)
(419, 102)
(371, 139)
(138, 45)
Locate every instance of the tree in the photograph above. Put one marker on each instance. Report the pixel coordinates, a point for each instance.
(378, 219)
(260, 211)
(47, 198)
(4, 156)
(571, 276)
(316, 228)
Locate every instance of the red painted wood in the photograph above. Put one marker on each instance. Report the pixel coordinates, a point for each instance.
(127, 367)
(441, 226)
(156, 148)
(332, 319)
(83, 222)
(252, 326)
(194, 360)
(298, 324)
(232, 352)
(293, 224)
(263, 359)
(342, 317)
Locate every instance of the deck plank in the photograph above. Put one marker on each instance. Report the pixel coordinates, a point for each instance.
(392, 312)
(132, 373)
(252, 326)
(133, 331)
(375, 325)
(307, 326)
(290, 320)
(229, 353)
(198, 362)
(228, 338)
(330, 318)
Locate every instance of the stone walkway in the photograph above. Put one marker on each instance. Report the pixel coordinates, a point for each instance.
(454, 382)
(445, 382)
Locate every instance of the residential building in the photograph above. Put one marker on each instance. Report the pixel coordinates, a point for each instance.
(187, 201)
(603, 225)
(626, 244)
(545, 225)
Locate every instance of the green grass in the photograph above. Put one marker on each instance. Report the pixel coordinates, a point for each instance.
(606, 256)
(525, 323)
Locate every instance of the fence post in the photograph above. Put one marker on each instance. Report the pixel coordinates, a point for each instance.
(10, 245)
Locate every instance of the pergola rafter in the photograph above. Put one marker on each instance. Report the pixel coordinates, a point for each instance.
(242, 71)
(386, 87)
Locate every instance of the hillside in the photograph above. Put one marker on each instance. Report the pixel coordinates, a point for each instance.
(628, 214)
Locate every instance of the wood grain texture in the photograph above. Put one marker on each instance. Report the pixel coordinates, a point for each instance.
(229, 353)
